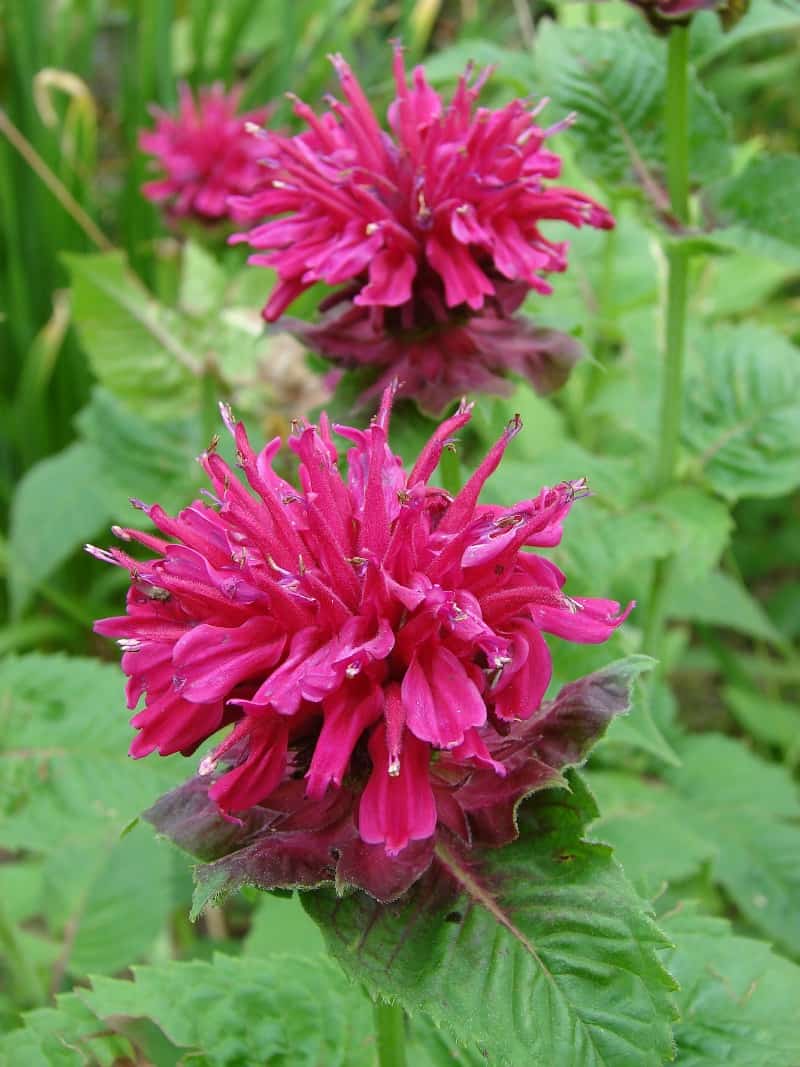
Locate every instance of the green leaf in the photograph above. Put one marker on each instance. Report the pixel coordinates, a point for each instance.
(737, 1000)
(710, 40)
(67, 1035)
(538, 952)
(639, 729)
(135, 346)
(754, 222)
(203, 281)
(723, 805)
(140, 457)
(67, 790)
(742, 419)
(281, 925)
(616, 83)
(770, 721)
(58, 504)
(648, 825)
(288, 1011)
(68, 498)
(720, 600)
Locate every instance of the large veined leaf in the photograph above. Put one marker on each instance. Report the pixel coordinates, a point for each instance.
(288, 1011)
(538, 952)
(720, 600)
(723, 806)
(59, 503)
(135, 346)
(67, 791)
(737, 1001)
(710, 40)
(66, 1035)
(68, 499)
(743, 411)
(757, 210)
(615, 83)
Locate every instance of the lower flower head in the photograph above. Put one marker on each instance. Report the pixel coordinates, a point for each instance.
(206, 154)
(375, 644)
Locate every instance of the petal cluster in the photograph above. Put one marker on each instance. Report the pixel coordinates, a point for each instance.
(205, 153)
(418, 229)
(375, 645)
(661, 13)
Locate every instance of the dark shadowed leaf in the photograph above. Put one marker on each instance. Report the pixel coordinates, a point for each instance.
(538, 952)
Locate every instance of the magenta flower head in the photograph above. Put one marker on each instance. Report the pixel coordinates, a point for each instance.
(375, 645)
(663, 13)
(429, 234)
(205, 153)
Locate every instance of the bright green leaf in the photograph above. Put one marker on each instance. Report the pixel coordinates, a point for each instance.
(755, 222)
(743, 411)
(288, 1011)
(723, 805)
(720, 600)
(135, 346)
(771, 721)
(58, 504)
(616, 83)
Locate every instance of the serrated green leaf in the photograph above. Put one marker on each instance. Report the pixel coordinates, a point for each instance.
(771, 721)
(748, 219)
(281, 925)
(721, 600)
(738, 1000)
(538, 952)
(639, 729)
(710, 40)
(724, 806)
(203, 281)
(742, 417)
(135, 345)
(68, 789)
(58, 504)
(288, 1011)
(615, 83)
(139, 457)
(67, 1035)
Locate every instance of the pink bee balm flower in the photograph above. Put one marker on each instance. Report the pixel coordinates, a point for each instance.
(661, 13)
(375, 643)
(205, 152)
(424, 229)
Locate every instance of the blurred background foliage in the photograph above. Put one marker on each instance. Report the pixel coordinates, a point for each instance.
(117, 334)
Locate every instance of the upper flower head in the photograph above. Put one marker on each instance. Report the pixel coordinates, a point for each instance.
(663, 12)
(421, 228)
(375, 643)
(205, 152)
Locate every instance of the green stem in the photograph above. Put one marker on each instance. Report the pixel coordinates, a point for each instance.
(390, 1032)
(676, 121)
(672, 384)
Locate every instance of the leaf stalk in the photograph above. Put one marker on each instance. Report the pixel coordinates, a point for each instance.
(390, 1034)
